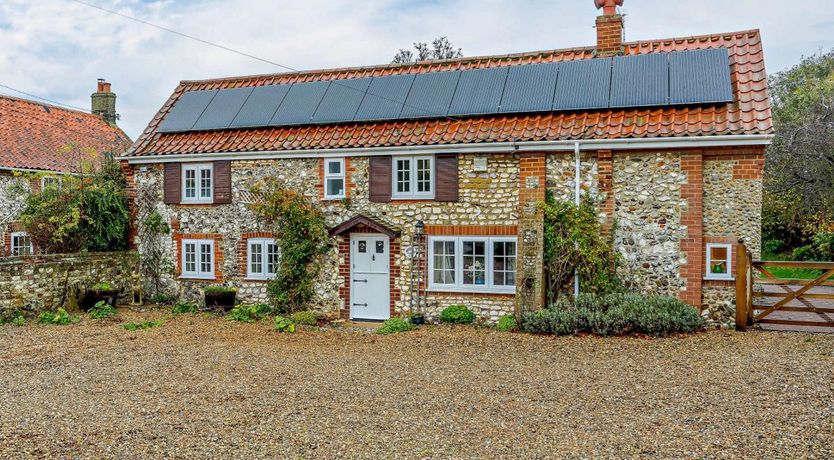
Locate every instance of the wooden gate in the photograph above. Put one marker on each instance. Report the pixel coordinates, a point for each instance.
(783, 303)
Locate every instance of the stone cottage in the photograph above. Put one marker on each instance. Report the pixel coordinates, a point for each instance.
(40, 143)
(430, 173)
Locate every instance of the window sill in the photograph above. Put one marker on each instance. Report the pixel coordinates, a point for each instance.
(719, 278)
(334, 198)
(197, 278)
(257, 279)
(187, 203)
(472, 290)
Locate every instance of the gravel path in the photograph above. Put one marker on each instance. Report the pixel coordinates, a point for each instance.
(202, 387)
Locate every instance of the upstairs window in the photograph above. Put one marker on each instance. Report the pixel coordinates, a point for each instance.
(197, 183)
(50, 182)
(472, 264)
(21, 244)
(719, 261)
(262, 258)
(413, 177)
(198, 259)
(334, 178)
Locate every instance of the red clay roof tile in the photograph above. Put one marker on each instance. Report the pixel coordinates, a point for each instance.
(45, 137)
(748, 114)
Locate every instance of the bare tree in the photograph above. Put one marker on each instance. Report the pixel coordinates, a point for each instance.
(441, 48)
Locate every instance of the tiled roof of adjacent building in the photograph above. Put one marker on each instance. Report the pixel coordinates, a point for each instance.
(749, 113)
(45, 137)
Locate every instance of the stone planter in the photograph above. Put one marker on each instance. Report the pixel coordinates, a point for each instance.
(92, 297)
(220, 300)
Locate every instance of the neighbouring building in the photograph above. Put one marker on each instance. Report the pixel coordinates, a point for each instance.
(41, 143)
(670, 134)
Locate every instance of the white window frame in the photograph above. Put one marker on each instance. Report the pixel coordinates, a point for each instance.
(55, 180)
(328, 176)
(198, 197)
(719, 276)
(263, 243)
(413, 193)
(20, 235)
(488, 286)
(198, 272)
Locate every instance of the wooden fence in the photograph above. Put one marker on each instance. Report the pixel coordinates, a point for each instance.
(787, 303)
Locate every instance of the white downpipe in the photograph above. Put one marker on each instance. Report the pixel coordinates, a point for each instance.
(577, 180)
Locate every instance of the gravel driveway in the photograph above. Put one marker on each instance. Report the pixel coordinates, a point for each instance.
(202, 387)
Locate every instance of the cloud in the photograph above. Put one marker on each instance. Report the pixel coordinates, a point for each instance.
(57, 48)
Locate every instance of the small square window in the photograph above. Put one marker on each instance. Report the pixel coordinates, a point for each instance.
(334, 178)
(21, 244)
(719, 261)
(262, 258)
(197, 183)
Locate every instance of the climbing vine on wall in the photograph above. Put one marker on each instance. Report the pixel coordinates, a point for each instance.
(573, 240)
(301, 234)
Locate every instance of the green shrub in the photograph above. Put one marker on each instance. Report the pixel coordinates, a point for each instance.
(184, 307)
(284, 324)
(614, 314)
(507, 323)
(305, 317)
(101, 310)
(219, 290)
(457, 314)
(249, 313)
(142, 325)
(19, 320)
(161, 299)
(102, 287)
(395, 325)
(59, 317)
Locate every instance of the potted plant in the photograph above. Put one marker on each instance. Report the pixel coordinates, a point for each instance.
(105, 292)
(417, 318)
(220, 297)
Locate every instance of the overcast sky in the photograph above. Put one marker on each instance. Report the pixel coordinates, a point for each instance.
(57, 48)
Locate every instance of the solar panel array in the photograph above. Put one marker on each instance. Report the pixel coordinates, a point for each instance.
(658, 79)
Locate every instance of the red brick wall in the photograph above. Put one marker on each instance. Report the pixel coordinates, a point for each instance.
(605, 179)
(609, 35)
(127, 171)
(532, 169)
(693, 245)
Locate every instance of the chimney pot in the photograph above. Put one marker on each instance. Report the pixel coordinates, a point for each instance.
(609, 7)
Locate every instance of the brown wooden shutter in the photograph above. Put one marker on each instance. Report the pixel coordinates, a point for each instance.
(222, 182)
(173, 183)
(446, 180)
(380, 179)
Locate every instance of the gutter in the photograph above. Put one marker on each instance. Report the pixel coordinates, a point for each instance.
(485, 147)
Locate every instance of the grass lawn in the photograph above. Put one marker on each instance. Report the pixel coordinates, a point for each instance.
(790, 272)
(199, 386)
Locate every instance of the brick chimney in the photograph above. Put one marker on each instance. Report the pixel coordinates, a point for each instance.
(609, 28)
(104, 102)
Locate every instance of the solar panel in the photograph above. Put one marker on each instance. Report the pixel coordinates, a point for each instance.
(222, 109)
(431, 94)
(299, 104)
(583, 84)
(687, 77)
(260, 107)
(341, 101)
(530, 88)
(700, 76)
(385, 98)
(640, 81)
(186, 111)
(479, 91)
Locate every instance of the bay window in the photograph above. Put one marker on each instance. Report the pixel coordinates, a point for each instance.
(472, 264)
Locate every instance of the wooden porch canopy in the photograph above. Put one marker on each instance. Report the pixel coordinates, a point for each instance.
(348, 226)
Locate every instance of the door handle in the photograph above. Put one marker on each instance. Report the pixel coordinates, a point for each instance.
(360, 305)
(360, 281)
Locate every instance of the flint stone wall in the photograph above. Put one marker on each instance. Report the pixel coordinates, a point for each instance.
(34, 284)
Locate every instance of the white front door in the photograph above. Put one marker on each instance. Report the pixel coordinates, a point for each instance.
(370, 290)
